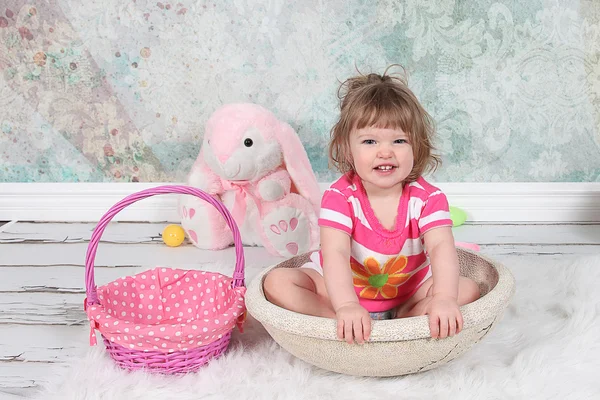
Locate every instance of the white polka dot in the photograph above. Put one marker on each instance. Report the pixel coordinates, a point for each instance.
(187, 279)
(123, 314)
(159, 317)
(166, 279)
(139, 344)
(151, 297)
(115, 302)
(217, 321)
(149, 306)
(194, 297)
(133, 285)
(205, 312)
(143, 276)
(212, 300)
(106, 325)
(116, 323)
(160, 307)
(189, 310)
(116, 292)
(182, 292)
(202, 304)
(140, 306)
(137, 328)
(151, 333)
(169, 287)
(176, 276)
(141, 295)
(194, 327)
(140, 316)
(164, 345)
(176, 305)
(131, 305)
(112, 339)
(164, 270)
(162, 329)
(131, 346)
(178, 283)
(206, 281)
(214, 278)
(204, 329)
(149, 316)
(124, 283)
(177, 333)
(133, 314)
(125, 338)
(186, 301)
(168, 309)
(191, 288)
(142, 286)
(181, 314)
(152, 287)
(132, 294)
(207, 290)
(173, 295)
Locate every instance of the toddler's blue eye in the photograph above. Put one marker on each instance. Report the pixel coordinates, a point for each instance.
(368, 141)
(400, 141)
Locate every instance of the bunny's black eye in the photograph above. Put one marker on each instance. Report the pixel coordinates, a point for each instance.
(248, 142)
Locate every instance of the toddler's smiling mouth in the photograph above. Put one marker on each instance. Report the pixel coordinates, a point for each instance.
(385, 167)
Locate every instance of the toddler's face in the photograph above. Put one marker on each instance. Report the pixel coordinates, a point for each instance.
(382, 158)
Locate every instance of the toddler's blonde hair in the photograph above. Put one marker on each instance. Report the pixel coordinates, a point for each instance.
(382, 101)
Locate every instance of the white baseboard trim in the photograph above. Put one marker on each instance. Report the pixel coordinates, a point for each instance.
(483, 202)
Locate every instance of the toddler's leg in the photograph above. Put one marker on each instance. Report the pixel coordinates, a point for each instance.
(468, 292)
(298, 289)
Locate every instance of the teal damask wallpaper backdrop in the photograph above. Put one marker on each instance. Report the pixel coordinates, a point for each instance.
(119, 90)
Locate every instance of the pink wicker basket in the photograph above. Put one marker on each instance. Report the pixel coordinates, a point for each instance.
(165, 320)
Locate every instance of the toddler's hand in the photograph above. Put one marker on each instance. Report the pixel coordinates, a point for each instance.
(353, 322)
(445, 318)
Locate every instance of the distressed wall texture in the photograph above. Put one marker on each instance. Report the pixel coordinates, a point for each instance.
(119, 90)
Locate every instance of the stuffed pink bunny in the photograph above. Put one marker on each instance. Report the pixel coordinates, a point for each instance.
(257, 166)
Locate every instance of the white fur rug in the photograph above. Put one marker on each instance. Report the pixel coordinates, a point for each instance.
(546, 347)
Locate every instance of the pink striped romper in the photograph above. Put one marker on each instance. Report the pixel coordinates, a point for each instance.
(388, 266)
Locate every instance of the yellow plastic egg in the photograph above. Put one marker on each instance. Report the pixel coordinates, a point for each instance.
(173, 235)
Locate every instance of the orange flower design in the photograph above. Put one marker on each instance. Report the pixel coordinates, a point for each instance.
(376, 280)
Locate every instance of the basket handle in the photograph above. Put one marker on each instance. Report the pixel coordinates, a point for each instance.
(90, 285)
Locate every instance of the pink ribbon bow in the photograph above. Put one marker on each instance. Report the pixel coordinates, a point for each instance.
(242, 190)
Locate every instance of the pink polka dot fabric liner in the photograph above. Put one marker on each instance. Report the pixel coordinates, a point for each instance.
(168, 309)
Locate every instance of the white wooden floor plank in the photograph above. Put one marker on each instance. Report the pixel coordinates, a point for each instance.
(502, 234)
(111, 254)
(35, 343)
(150, 232)
(78, 232)
(21, 375)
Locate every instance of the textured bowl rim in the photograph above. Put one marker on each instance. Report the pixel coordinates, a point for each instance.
(402, 329)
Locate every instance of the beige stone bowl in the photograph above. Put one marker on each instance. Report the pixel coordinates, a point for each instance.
(397, 347)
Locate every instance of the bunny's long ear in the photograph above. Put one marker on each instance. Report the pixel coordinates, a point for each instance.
(298, 165)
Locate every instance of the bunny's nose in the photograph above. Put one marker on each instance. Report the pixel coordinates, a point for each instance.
(223, 158)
